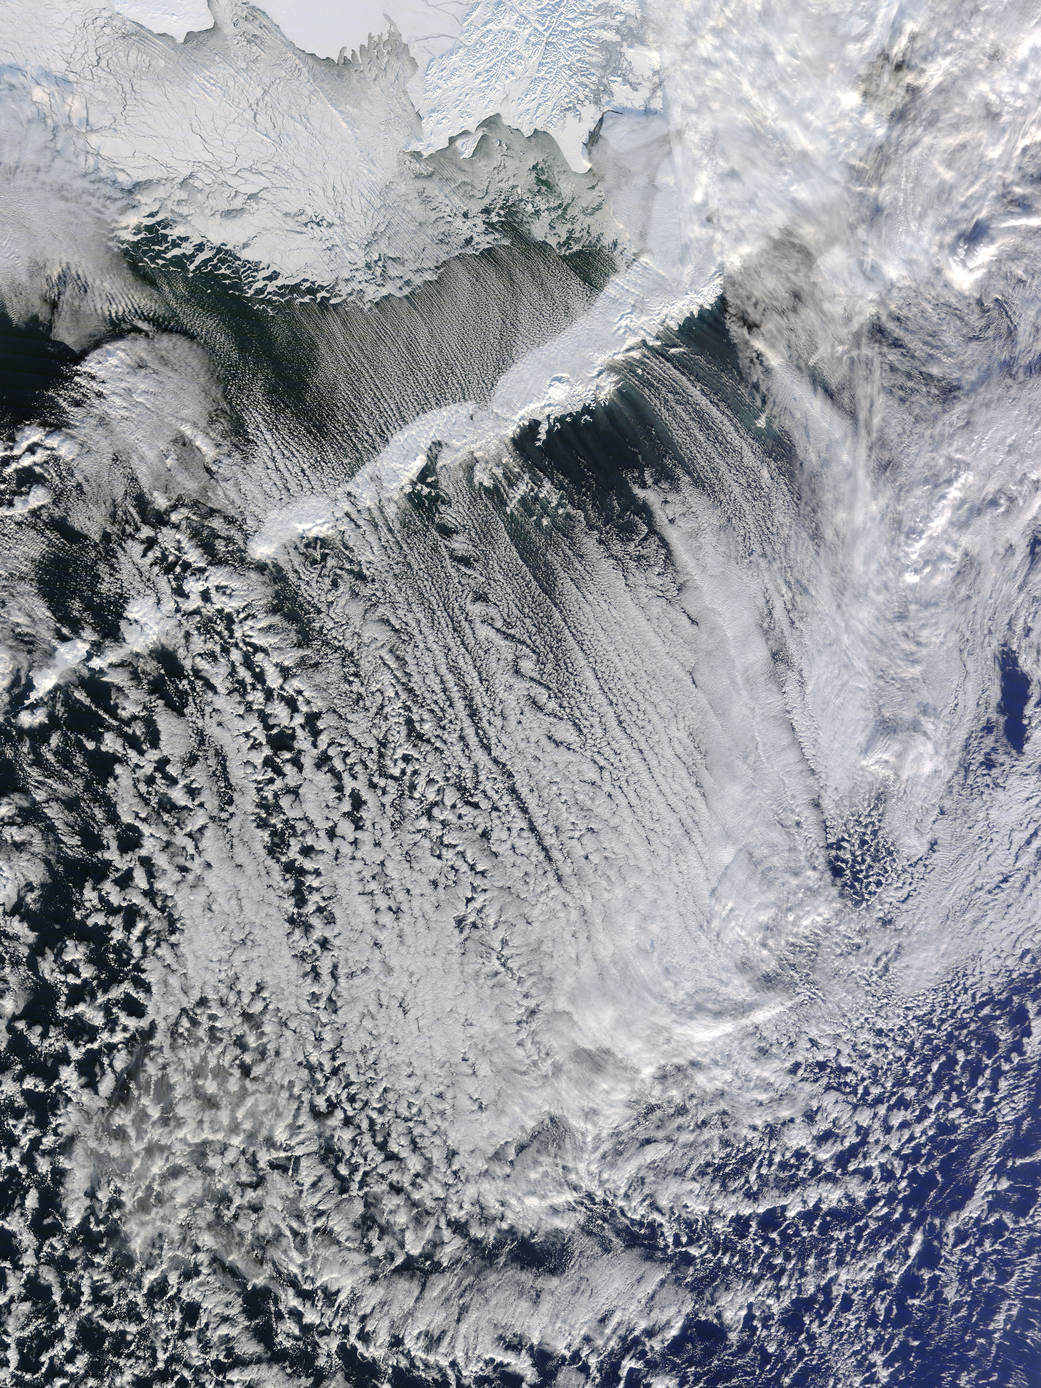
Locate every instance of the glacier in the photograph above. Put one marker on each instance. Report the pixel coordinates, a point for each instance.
(519, 668)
